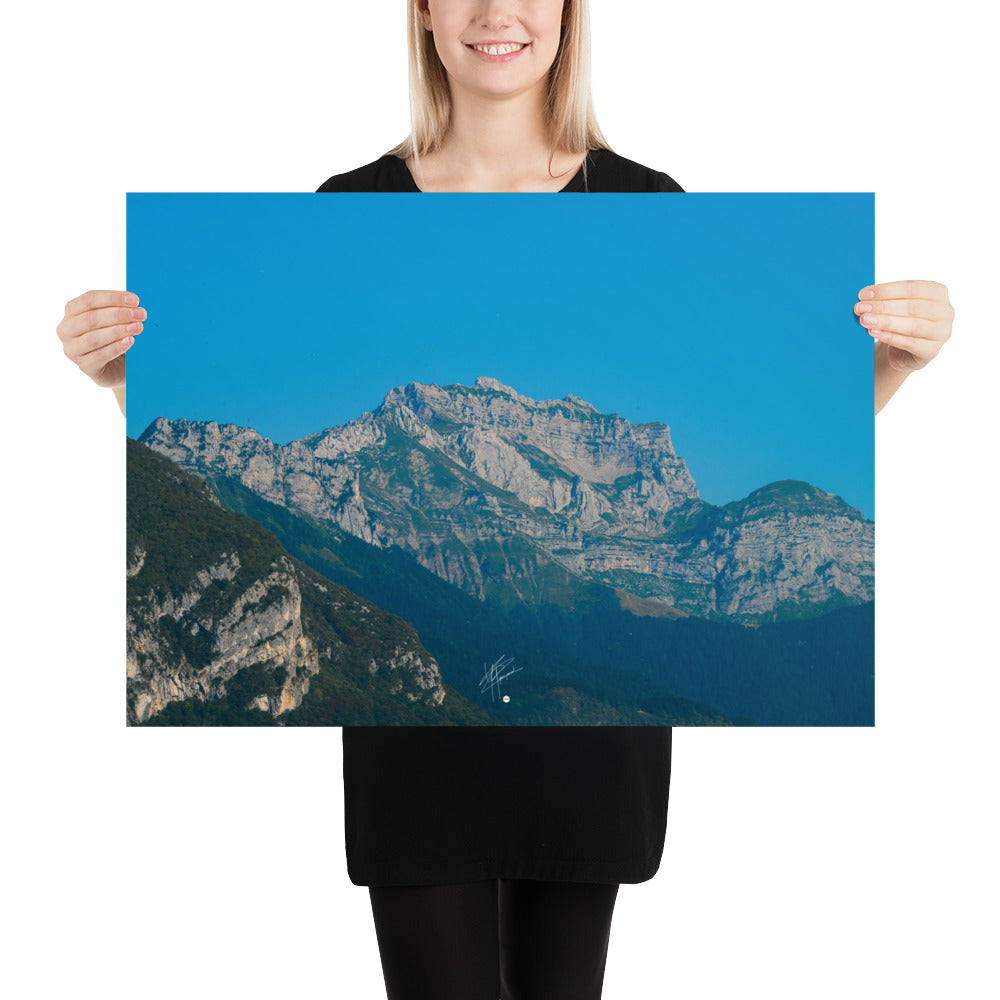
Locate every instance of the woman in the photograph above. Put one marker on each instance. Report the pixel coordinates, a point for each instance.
(494, 856)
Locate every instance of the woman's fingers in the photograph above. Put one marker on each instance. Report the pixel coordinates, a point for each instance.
(97, 319)
(96, 299)
(95, 363)
(86, 343)
(917, 346)
(909, 326)
(907, 353)
(914, 318)
(81, 324)
(931, 309)
(97, 329)
(913, 289)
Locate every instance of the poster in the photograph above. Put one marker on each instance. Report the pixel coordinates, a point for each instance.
(500, 460)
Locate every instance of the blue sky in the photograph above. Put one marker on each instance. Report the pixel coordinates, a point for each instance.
(728, 317)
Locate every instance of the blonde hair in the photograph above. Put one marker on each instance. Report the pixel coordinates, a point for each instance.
(572, 124)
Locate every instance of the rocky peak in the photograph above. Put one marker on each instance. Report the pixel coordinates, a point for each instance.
(489, 425)
(580, 404)
(485, 382)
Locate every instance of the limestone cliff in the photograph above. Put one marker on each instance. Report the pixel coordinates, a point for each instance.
(217, 609)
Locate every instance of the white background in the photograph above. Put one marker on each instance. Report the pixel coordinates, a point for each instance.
(210, 863)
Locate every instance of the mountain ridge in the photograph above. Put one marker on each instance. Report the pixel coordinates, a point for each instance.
(513, 498)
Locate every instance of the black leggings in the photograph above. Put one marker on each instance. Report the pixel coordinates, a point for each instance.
(515, 939)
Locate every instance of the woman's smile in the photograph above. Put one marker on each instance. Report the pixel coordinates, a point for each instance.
(497, 51)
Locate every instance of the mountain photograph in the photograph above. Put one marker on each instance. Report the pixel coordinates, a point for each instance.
(617, 487)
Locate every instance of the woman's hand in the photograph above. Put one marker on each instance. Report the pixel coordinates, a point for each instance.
(96, 331)
(912, 318)
(909, 320)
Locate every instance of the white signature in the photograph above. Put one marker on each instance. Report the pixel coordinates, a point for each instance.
(495, 674)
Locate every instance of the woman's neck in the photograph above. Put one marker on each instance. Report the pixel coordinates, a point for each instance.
(496, 145)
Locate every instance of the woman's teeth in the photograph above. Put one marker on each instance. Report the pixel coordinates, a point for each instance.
(497, 50)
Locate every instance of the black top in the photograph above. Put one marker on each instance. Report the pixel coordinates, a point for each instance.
(429, 805)
(606, 171)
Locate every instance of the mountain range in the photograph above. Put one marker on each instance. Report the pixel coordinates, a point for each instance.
(556, 520)
(507, 497)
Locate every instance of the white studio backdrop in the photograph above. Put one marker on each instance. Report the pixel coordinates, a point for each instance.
(209, 862)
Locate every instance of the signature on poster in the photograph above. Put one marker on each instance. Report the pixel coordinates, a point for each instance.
(495, 674)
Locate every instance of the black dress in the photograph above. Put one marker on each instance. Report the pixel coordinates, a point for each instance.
(426, 805)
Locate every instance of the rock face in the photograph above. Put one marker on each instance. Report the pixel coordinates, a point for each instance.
(215, 606)
(515, 499)
(259, 624)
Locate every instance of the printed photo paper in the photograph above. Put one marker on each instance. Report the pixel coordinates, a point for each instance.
(500, 459)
